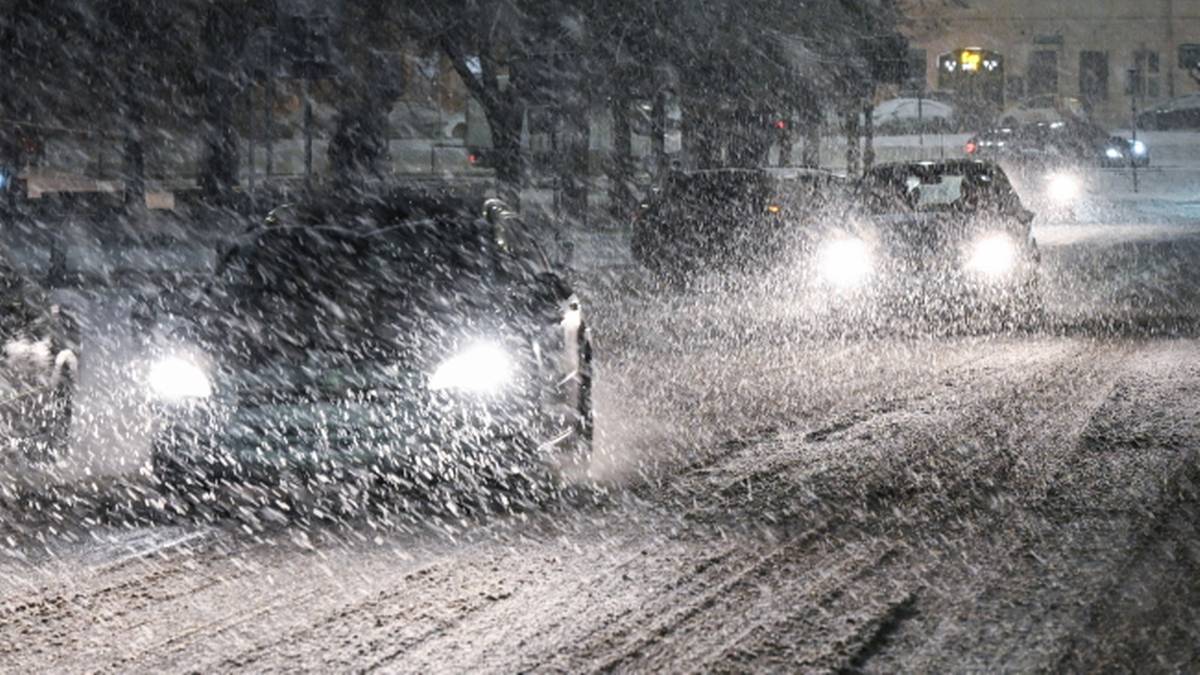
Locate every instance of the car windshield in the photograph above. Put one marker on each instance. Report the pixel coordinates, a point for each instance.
(945, 190)
(720, 189)
(339, 288)
(302, 263)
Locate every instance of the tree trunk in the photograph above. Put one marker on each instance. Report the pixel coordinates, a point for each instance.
(219, 165)
(658, 134)
(699, 138)
(358, 150)
(503, 110)
(786, 140)
(505, 124)
(575, 169)
(620, 195)
(810, 155)
(133, 170)
(124, 30)
(853, 141)
(868, 136)
(742, 139)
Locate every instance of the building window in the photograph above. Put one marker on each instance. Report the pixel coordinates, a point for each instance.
(1144, 78)
(1042, 77)
(917, 60)
(1016, 88)
(1093, 76)
(1189, 56)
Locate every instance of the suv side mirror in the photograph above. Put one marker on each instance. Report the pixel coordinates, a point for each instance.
(565, 255)
(554, 286)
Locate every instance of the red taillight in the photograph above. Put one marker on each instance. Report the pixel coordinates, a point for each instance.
(781, 124)
(971, 147)
(472, 158)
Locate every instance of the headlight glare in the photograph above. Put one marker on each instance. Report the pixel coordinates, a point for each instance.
(993, 255)
(1113, 153)
(1139, 148)
(176, 379)
(844, 263)
(1064, 188)
(482, 368)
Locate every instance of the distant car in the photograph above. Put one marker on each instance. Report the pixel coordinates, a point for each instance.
(722, 219)
(1120, 152)
(1044, 108)
(1050, 159)
(38, 372)
(1057, 145)
(912, 115)
(1182, 112)
(408, 340)
(950, 237)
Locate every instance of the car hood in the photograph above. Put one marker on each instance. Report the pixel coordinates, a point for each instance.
(932, 236)
(318, 376)
(320, 351)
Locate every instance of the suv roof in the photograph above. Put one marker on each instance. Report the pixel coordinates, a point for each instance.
(937, 166)
(773, 171)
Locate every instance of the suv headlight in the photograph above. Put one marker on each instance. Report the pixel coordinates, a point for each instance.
(482, 368)
(1064, 188)
(175, 379)
(844, 263)
(992, 255)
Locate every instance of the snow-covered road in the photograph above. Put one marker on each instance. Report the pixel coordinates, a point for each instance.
(769, 499)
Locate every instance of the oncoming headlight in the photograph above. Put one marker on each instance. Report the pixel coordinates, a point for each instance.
(844, 263)
(1064, 187)
(1139, 148)
(993, 255)
(176, 379)
(482, 368)
(1113, 153)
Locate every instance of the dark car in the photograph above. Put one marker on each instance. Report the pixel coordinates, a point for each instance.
(949, 238)
(1062, 144)
(1181, 112)
(724, 219)
(409, 340)
(37, 373)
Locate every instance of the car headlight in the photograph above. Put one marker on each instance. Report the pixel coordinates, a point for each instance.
(482, 368)
(1139, 148)
(993, 255)
(1113, 153)
(176, 379)
(844, 263)
(1064, 187)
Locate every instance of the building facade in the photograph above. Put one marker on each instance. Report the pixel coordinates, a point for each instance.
(1109, 54)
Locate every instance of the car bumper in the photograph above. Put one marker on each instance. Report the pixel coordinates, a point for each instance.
(949, 294)
(265, 443)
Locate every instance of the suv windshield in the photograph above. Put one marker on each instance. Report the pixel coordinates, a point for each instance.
(333, 286)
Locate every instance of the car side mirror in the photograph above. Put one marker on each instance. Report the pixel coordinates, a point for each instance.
(554, 286)
(565, 255)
